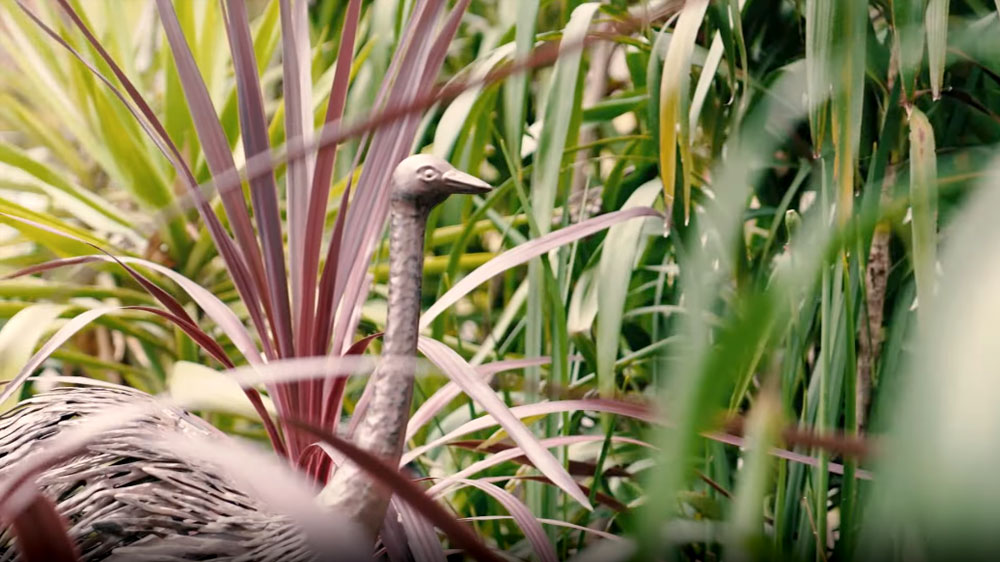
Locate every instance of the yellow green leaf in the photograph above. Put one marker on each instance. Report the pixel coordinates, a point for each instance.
(674, 83)
(936, 22)
(19, 337)
(923, 202)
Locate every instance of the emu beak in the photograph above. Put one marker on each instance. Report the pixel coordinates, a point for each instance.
(460, 182)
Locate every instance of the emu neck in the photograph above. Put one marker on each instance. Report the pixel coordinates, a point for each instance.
(384, 425)
(406, 271)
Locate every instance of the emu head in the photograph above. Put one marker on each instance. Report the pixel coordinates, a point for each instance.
(428, 180)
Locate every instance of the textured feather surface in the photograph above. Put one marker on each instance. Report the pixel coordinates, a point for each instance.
(127, 498)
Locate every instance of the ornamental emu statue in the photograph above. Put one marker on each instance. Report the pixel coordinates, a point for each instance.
(125, 499)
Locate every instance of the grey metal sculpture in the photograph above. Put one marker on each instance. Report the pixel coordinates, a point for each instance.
(127, 499)
(420, 183)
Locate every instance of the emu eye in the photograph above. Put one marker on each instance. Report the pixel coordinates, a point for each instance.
(428, 173)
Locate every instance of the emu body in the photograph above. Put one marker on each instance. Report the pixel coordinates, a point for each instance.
(128, 499)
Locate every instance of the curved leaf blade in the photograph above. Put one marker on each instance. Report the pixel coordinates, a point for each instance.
(464, 376)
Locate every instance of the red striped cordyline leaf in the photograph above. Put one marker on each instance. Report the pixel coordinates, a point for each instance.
(525, 252)
(302, 368)
(81, 321)
(319, 194)
(219, 158)
(545, 55)
(628, 409)
(530, 526)
(332, 404)
(393, 536)
(332, 391)
(213, 307)
(420, 534)
(390, 146)
(355, 239)
(297, 85)
(159, 294)
(555, 522)
(263, 190)
(329, 419)
(464, 376)
(833, 467)
(154, 129)
(221, 314)
(40, 530)
(515, 452)
(185, 323)
(599, 497)
(576, 468)
(205, 341)
(405, 489)
(216, 310)
(444, 395)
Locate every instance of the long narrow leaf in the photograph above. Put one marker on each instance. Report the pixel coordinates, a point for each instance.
(319, 195)
(162, 140)
(532, 530)
(936, 21)
(297, 83)
(617, 261)
(217, 154)
(523, 253)
(19, 336)
(923, 198)
(263, 190)
(819, 51)
(557, 116)
(42, 533)
(516, 453)
(908, 40)
(556, 522)
(390, 147)
(848, 101)
(215, 308)
(159, 136)
(636, 411)
(423, 539)
(165, 298)
(431, 406)
(464, 376)
(75, 324)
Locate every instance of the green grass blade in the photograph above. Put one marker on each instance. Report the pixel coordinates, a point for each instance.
(923, 201)
(19, 337)
(515, 87)
(556, 120)
(936, 21)
(747, 519)
(673, 128)
(908, 40)
(621, 247)
(820, 41)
